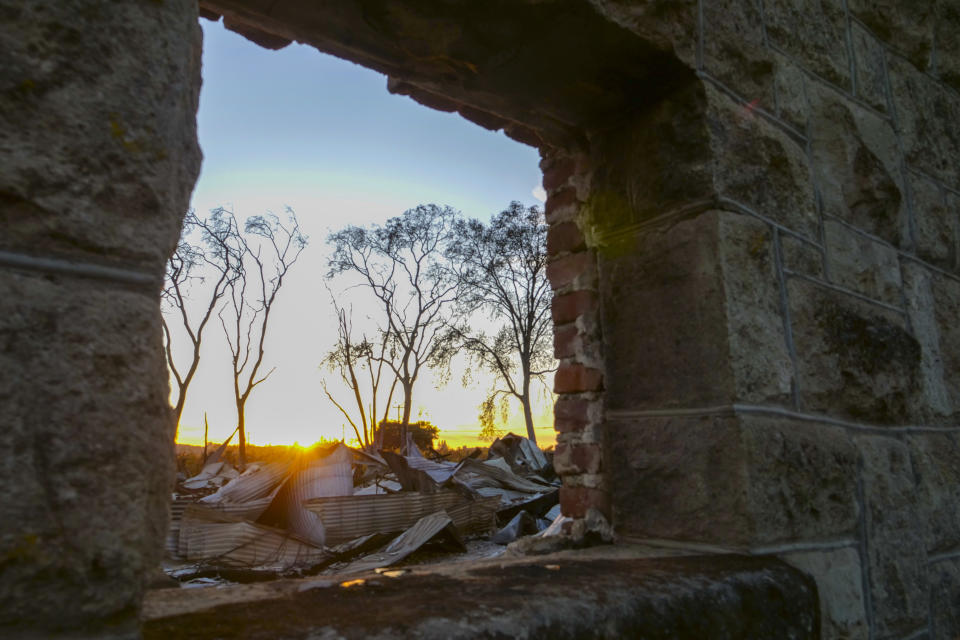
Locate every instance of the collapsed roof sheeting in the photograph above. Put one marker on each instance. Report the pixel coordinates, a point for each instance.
(208, 535)
(423, 531)
(346, 518)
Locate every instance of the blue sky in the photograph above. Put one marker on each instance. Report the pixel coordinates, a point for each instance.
(303, 129)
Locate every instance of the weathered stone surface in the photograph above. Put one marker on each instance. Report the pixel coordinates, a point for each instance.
(862, 264)
(871, 68)
(857, 167)
(663, 164)
(731, 480)
(812, 31)
(791, 92)
(934, 406)
(947, 38)
(840, 587)
(854, 359)
(895, 535)
(97, 128)
(936, 228)
(734, 51)
(935, 459)
(946, 304)
(802, 479)
(760, 362)
(801, 257)
(907, 26)
(671, 24)
(663, 302)
(760, 166)
(926, 113)
(88, 460)
(945, 599)
(591, 594)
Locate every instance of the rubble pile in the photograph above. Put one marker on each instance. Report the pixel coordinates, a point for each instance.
(345, 510)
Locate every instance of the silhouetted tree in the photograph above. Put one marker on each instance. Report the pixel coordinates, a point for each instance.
(423, 434)
(360, 365)
(200, 271)
(501, 270)
(402, 264)
(268, 248)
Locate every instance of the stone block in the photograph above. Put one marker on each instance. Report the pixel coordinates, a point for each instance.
(946, 304)
(861, 264)
(813, 32)
(99, 143)
(761, 166)
(731, 480)
(906, 26)
(947, 38)
(791, 93)
(663, 163)
(734, 51)
(572, 377)
(935, 459)
(926, 115)
(88, 451)
(944, 592)
(701, 300)
(857, 167)
(801, 257)
(759, 359)
(871, 68)
(855, 360)
(663, 310)
(934, 405)
(839, 578)
(895, 534)
(936, 227)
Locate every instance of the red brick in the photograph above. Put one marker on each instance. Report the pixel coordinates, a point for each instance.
(564, 237)
(559, 200)
(570, 306)
(572, 459)
(574, 501)
(572, 378)
(565, 270)
(565, 341)
(558, 173)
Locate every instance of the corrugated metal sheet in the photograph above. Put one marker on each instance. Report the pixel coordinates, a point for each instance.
(351, 517)
(211, 535)
(424, 530)
(329, 476)
(475, 516)
(258, 481)
(439, 471)
(477, 474)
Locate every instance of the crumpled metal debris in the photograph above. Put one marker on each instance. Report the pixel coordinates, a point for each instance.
(368, 508)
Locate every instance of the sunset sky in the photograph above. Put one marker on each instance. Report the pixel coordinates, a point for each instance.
(302, 129)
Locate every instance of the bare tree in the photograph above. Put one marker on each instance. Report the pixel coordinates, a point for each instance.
(402, 265)
(267, 249)
(501, 270)
(190, 270)
(361, 368)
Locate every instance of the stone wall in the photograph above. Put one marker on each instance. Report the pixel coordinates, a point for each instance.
(99, 154)
(754, 210)
(774, 248)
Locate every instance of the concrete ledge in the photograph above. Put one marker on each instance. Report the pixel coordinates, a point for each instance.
(608, 593)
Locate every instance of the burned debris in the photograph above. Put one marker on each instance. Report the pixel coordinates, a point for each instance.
(344, 510)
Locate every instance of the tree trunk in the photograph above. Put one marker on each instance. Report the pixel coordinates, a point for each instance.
(528, 418)
(242, 434)
(405, 424)
(528, 413)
